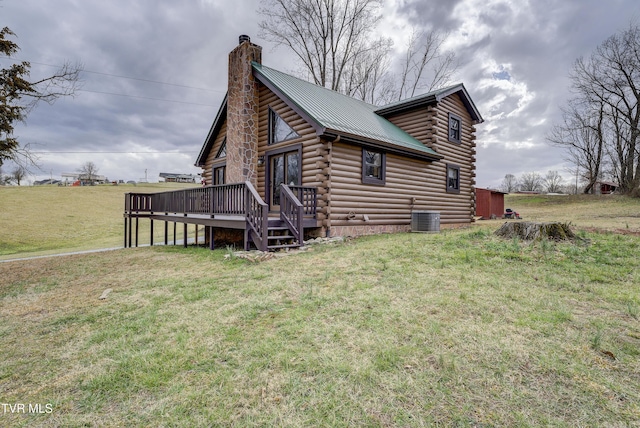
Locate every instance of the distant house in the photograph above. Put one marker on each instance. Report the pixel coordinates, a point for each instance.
(287, 157)
(45, 182)
(605, 187)
(178, 178)
(80, 179)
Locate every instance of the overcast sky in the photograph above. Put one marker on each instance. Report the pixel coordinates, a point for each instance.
(156, 72)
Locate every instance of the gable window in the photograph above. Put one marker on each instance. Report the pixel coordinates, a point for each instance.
(279, 130)
(223, 149)
(453, 179)
(373, 167)
(454, 128)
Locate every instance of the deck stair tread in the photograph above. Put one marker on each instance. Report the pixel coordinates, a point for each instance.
(280, 237)
(277, 247)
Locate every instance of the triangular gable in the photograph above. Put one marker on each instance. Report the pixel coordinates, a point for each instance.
(213, 133)
(433, 97)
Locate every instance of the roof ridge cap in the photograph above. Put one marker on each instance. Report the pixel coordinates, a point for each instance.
(258, 65)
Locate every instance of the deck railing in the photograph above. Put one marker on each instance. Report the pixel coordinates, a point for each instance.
(257, 217)
(221, 199)
(308, 197)
(137, 202)
(297, 202)
(292, 212)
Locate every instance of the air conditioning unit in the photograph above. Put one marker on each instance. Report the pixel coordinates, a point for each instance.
(425, 221)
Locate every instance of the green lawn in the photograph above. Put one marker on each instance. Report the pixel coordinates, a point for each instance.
(40, 220)
(459, 328)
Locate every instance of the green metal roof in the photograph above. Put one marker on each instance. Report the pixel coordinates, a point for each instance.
(332, 113)
(431, 98)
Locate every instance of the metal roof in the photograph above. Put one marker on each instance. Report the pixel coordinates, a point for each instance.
(332, 113)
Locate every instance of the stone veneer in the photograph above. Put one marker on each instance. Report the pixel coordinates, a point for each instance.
(369, 229)
(388, 228)
(242, 114)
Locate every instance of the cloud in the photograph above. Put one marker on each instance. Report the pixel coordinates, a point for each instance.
(515, 58)
(515, 61)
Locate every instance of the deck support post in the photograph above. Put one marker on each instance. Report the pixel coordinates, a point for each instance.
(130, 224)
(196, 234)
(185, 235)
(125, 232)
(137, 225)
(166, 233)
(151, 236)
(175, 225)
(212, 234)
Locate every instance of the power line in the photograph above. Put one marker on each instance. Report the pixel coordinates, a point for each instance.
(120, 76)
(145, 98)
(126, 153)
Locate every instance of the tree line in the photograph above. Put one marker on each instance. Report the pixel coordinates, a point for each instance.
(88, 171)
(551, 182)
(599, 127)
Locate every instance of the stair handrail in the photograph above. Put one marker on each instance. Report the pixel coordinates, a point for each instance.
(292, 213)
(257, 218)
(308, 197)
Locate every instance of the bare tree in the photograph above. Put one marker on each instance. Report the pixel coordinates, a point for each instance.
(337, 44)
(509, 183)
(88, 172)
(611, 77)
(326, 35)
(367, 77)
(531, 182)
(553, 182)
(4, 179)
(18, 174)
(582, 134)
(18, 96)
(425, 64)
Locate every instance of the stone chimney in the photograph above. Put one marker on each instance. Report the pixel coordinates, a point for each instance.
(242, 113)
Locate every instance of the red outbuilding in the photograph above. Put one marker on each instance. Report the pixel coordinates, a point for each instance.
(489, 203)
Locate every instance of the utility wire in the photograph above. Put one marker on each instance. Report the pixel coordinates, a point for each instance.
(126, 153)
(145, 98)
(119, 76)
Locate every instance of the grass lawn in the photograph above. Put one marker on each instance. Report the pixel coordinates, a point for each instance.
(459, 328)
(41, 220)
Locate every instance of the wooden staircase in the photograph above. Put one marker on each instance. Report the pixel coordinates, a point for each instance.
(279, 236)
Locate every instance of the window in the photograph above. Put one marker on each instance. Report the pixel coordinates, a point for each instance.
(453, 179)
(373, 167)
(218, 174)
(454, 128)
(223, 150)
(279, 130)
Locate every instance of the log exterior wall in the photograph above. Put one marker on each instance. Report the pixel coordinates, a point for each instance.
(346, 206)
(411, 184)
(212, 161)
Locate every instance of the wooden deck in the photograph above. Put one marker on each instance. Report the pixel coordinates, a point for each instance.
(229, 206)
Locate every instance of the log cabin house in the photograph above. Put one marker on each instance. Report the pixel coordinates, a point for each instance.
(286, 158)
